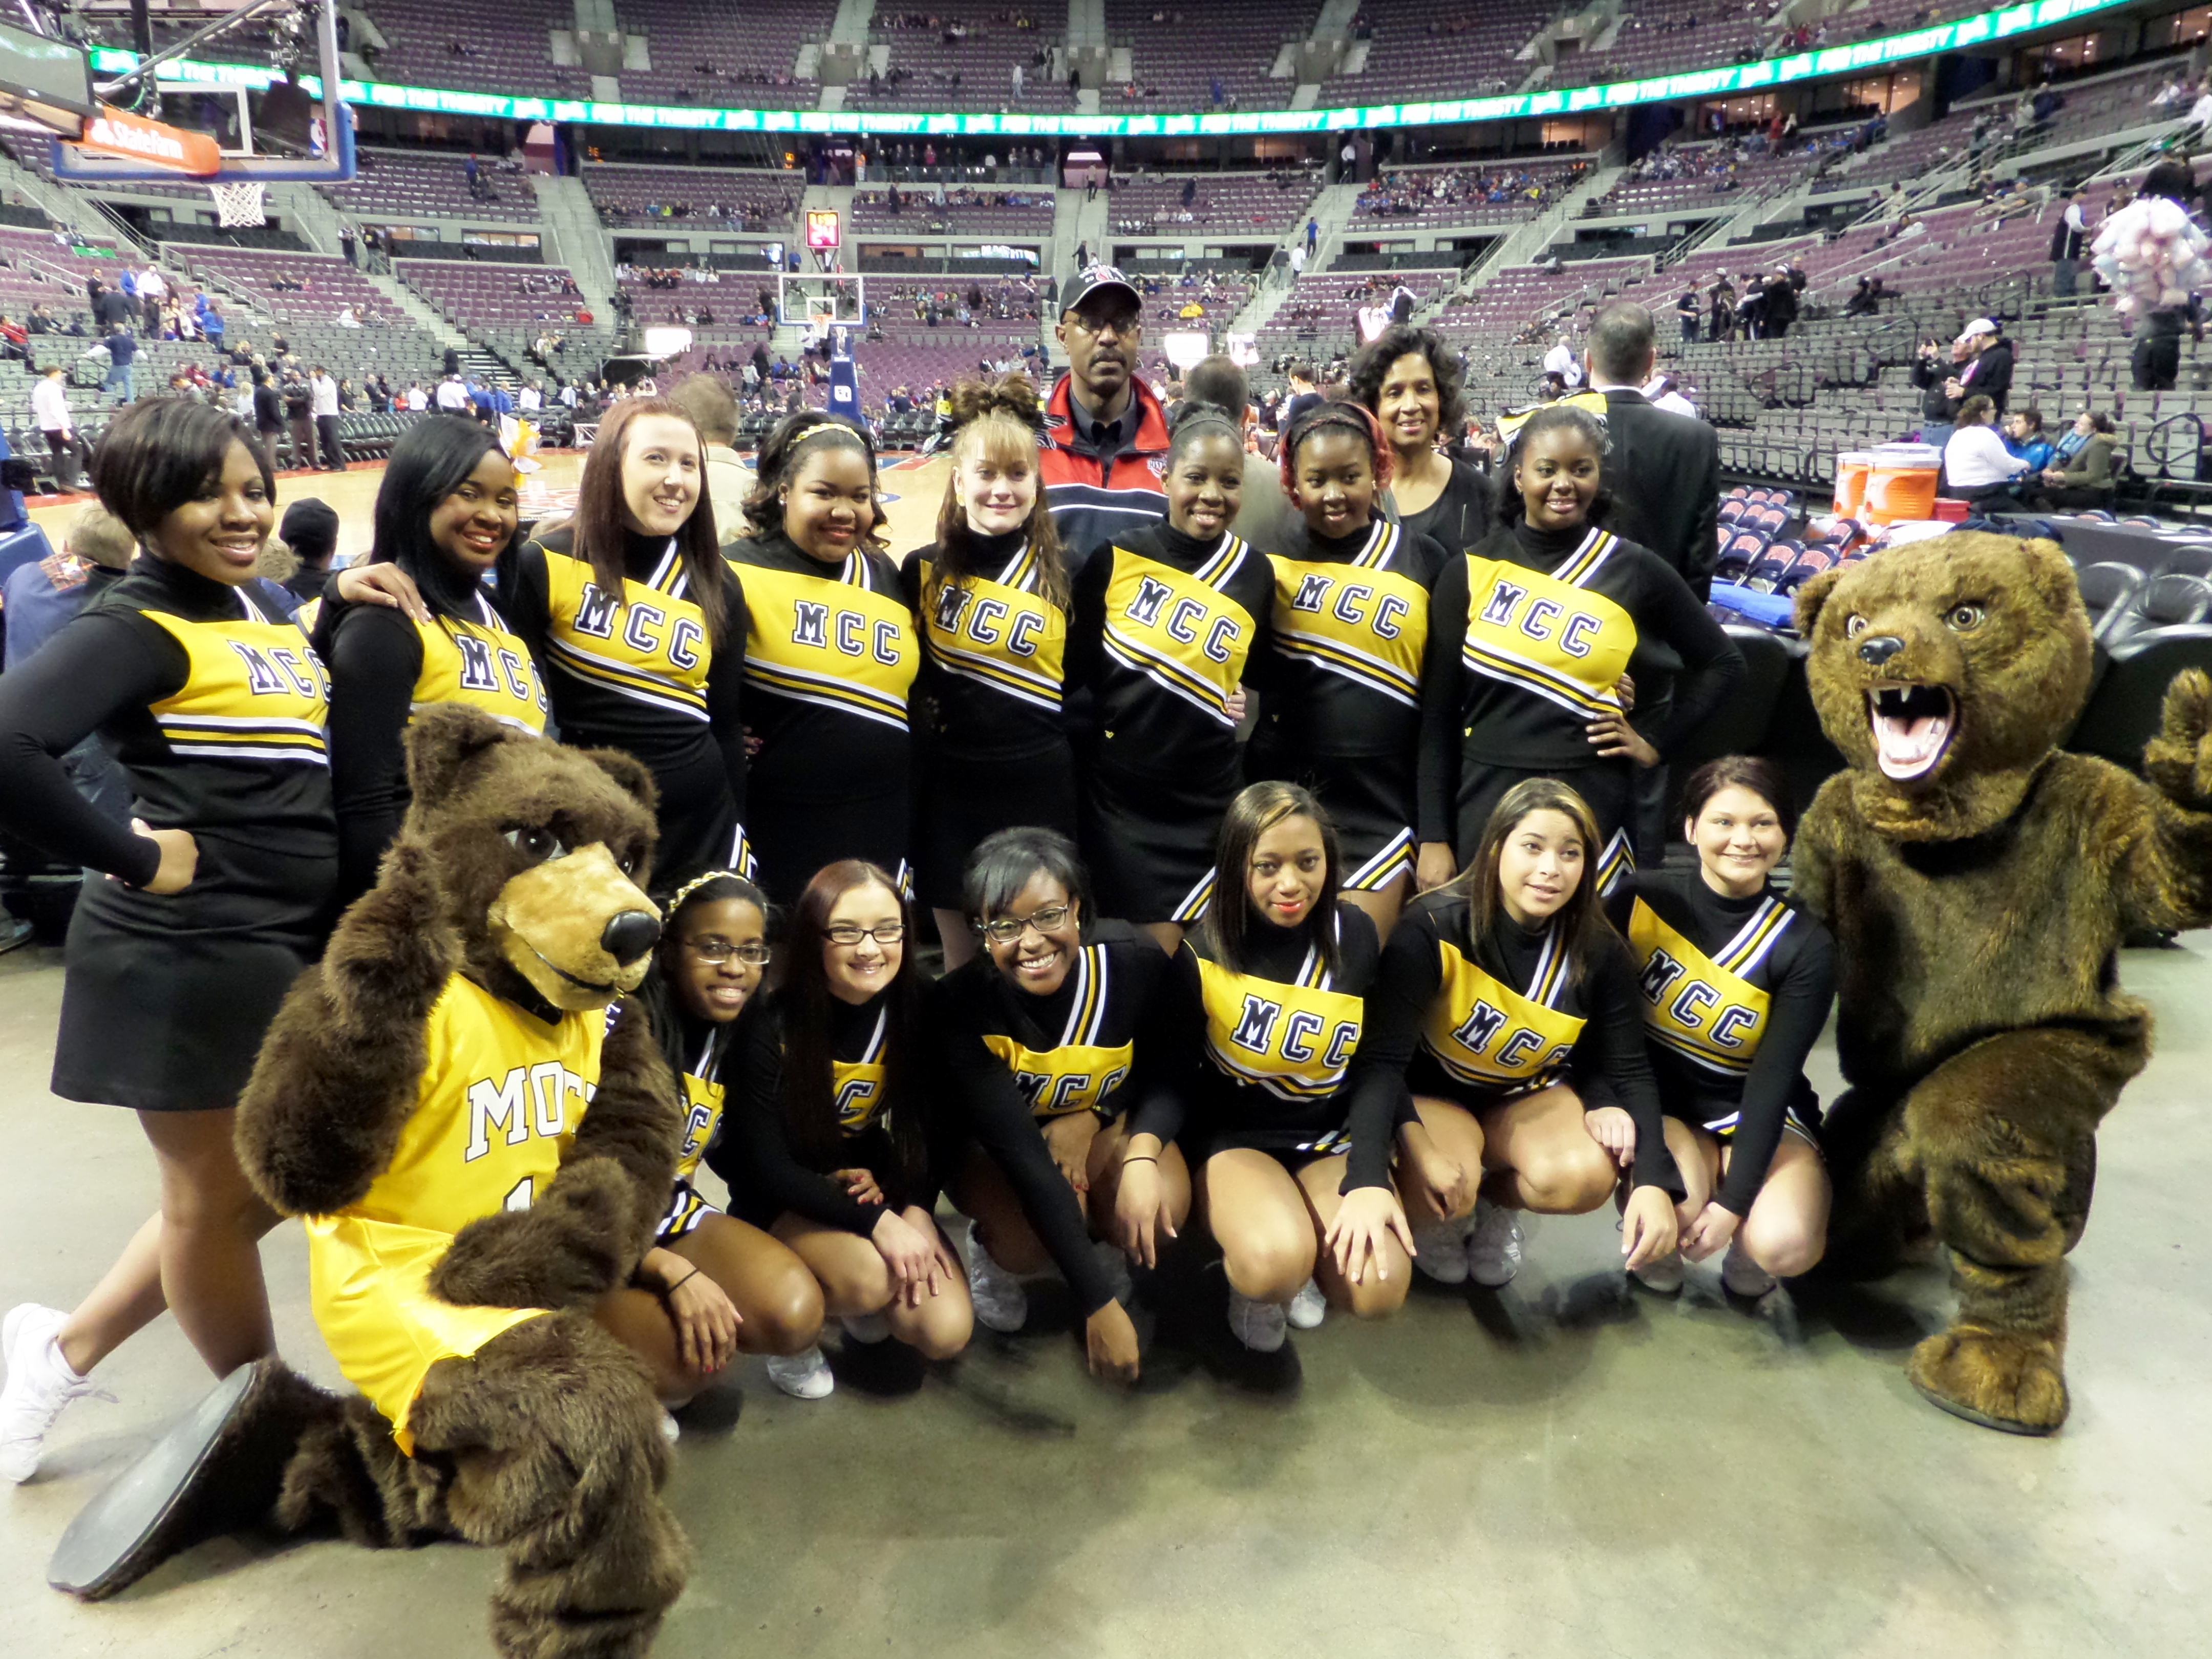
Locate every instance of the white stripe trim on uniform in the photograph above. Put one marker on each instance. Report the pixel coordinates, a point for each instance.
(606, 671)
(273, 752)
(1385, 866)
(875, 1049)
(1194, 903)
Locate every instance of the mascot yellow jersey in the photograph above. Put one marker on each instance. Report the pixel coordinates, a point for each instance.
(1081, 1071)
(1555, 636)
(477, 660)
(1489, 1036)
(502, 1092)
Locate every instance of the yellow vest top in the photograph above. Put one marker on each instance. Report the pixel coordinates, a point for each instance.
(1700, 1007)
(1550, 634)
(831, 641)
(702, 1107)
(1005, 634)
(1078, 1073)
(256, 690)
(859, 1083)
(478, 662)
(1295, 1041)
(1178, 628)
(1485, 1033)
(649, 643)
(1357, 618)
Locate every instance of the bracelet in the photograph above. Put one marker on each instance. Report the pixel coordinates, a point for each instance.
(671, 1290)
(1142, 1157)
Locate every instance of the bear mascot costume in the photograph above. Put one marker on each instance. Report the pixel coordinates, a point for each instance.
(1978, 883)
(479, 1153)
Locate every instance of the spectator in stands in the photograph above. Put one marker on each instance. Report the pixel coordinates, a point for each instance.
(1687, 312)
(1988, 371)
(122, 354)
(299, 417)
(1863, 302)
(1104, 426)
(706, 398)
(1977, 465)
(453, 395)
(50, 410)
(323, 394)
(153, 289)
(268, 412)
(1722, 317)
(1410, 381)
(2082, 473)
(1931, 374)
(1780, 309)
(2067, 237)
(310, 529)
(2023, 436)
(1561, 360)
(2155, 360)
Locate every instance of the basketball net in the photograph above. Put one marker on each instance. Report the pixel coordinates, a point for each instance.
(237, 201)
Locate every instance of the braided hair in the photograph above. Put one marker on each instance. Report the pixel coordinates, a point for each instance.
(1336, 414)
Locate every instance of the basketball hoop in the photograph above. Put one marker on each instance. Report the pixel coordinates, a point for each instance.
(237, 201)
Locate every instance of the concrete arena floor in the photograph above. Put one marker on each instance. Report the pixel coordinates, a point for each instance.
(1564, 1468)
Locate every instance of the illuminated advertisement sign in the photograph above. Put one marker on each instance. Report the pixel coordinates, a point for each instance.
(1856, 59)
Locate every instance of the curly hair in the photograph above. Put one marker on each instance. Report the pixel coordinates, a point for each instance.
(1339, 415)
(997, 420)
(788, 441)
(1372, 366)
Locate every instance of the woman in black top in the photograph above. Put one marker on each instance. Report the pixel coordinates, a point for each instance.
(1529, 636)
(1509, 1008)
(1044, 1040)
(1409, 380)
(1736, 981)
(642, 629)
(826, 1141)
(222, 883)
(1290, 1128)
(990, 600)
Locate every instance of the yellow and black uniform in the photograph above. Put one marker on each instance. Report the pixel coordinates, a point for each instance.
(993, 746)
(1735, 994)
(384, 667)
(694, 1050)
(640, 672)
(1112, 1034)
(833, 654)
(1529, 634)
(214, 708)
(1282, 1063)
(767, 1173)
(1339, 685)
(1480, 1021)
(501, 1096)
(1160, 628)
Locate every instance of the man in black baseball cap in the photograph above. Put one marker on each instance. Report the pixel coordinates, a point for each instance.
(1104, 426)
(310, 529)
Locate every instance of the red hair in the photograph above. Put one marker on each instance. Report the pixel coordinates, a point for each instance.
(1338, 413)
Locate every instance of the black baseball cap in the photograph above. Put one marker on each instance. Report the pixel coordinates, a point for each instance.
(310, 528)
(1094, 279)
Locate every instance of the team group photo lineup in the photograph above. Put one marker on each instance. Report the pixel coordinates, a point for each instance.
(1079, 831)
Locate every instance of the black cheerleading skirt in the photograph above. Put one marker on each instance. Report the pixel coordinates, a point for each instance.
(1369, 798)
(165, 1000)
(1149, 842)
(697, 823)
(792, 839)
(962, 798)
(1608, 788)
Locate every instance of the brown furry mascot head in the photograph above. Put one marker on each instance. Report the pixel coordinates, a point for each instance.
(1946, 670)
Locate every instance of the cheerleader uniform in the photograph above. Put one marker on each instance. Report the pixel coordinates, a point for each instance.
(1527, 635)
(1735, 994)
(833, 654)
(383, 667)
(1012, 1062)
(1341, 685)
(1161, 628)
(995, 751)
(765, 1174)
(1282, 1066)
(638, 673)
(215, 710)
(1481, 1023)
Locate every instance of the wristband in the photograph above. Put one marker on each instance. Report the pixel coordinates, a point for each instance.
(1142, 1157)
(671, 1290)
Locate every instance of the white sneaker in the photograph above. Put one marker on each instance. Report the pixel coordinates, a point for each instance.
(1493, 1252)
(1308, 1308)
(1742, 1276)
(868, 1327)
(670, 1430)
(1664, 1275)
(1258, 1325)
(39, 1383)
(1440, 1251)
(802, 1375)
(1001, 1302)
(1115, 1266)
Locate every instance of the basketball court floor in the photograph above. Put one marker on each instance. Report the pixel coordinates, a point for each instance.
(1564, 1468)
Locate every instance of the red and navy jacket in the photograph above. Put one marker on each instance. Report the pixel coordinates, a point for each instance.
(1091, 504)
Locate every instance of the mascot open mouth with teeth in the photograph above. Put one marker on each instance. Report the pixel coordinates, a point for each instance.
(1978, 883)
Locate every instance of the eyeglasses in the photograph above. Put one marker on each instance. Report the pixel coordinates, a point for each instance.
(1005, 930)
(851, 933)
(1127, 328)
(752, 953)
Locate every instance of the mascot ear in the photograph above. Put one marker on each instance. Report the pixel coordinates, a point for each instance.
(443, 740)
(1812, 595)
(2052, 574)
(630, 773)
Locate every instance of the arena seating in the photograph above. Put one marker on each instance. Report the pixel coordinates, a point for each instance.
(1023, 215)
(410, 184)
(1317, 317)
(1418, 50)
(331, 285)
(1179, 53)
(927, 70)
(1222, 203)
(1669, 35)
(423, 49)
(1440, 197)
(634, 195)
(704, 55)
(1520, 296)
(476, 295)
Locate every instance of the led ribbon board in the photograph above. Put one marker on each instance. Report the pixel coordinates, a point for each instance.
(1984, 29)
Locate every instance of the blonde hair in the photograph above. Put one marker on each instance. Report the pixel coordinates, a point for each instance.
(998, 421)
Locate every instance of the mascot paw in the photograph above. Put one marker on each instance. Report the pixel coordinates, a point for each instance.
(2000, 1379)
(2178, 760)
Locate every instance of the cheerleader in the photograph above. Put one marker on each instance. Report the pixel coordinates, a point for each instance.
(1339, 682)
(642, 629)
(1737, 983)
(220, 888)
(991, 597)
(1529, 636)
(825, 1141)
(1162, 624)
(1291, 1125)
(445, 512)
(712, 1286)
(1509, 1006)
(1410, 381)
(1042, 1042)
(833, 654)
